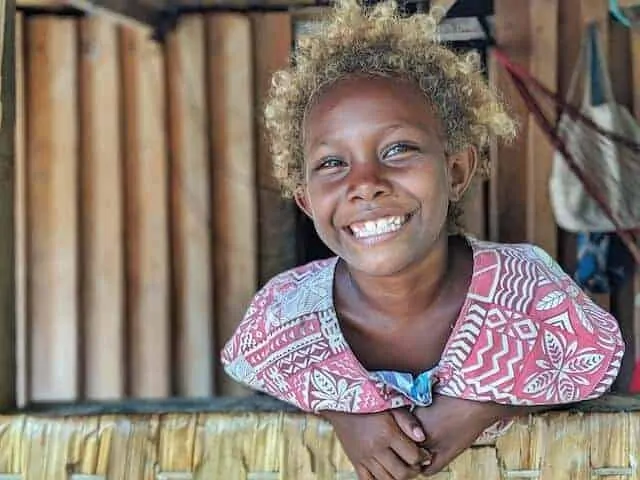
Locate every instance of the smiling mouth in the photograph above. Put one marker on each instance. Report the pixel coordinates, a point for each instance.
(380, 226)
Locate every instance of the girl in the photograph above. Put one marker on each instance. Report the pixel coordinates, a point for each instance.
(378, 131)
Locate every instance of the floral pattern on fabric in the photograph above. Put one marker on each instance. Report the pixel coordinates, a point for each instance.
(526, 335)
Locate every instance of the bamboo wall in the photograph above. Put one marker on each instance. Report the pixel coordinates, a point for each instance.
(145, 212)
(137, 201)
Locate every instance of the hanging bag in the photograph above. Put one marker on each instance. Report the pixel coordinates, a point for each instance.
(611, 164)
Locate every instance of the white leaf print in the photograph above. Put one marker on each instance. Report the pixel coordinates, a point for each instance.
(343, 387)
(325, 384)
(583, 363)
(584, 319)
(554, 346)
(551, 392)
(540, 381)
(327, 405)
(551, 300)
(577, 379)
(567, 390)
(573, 290)
(571, 349)
(541, 363)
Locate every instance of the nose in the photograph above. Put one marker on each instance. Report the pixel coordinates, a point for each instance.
(367, 181)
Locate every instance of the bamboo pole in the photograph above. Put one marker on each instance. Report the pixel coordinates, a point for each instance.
(191, 208)
(233, 156)
(276, 215)
(53, 207)
(22, 337)
(7, 219)
(102, 249)
(147, 217)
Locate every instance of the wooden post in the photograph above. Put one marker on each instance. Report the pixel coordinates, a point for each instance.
(527, 31)
(20, 208)
(635, 79)
(147, 222)
(102, 245)
(276, 215)
(52, 207)
(191, 208)
(7, 264)
(230, 54)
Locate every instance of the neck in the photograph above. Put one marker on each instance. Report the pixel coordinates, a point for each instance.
(411, 292)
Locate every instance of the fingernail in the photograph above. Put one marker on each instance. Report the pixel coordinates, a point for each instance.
(417, 431)
(426, 463)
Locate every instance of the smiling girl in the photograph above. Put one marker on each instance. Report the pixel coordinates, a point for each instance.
(378, 132)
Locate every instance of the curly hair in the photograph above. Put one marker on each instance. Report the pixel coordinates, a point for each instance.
(380, 41)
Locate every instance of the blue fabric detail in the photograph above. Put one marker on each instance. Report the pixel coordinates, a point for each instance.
(618, 14)
(604, 263)
(417, 389)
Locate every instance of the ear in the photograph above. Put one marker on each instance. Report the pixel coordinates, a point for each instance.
(302, 200)
(462, 166)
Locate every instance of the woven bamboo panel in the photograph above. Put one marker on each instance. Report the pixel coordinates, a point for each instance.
(277, 446)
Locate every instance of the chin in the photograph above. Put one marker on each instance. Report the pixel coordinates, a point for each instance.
(379, 266)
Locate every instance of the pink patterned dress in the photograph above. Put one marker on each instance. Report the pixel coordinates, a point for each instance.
(526, 335)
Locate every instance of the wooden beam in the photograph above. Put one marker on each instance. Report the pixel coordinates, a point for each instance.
(7, 220)
(190, 207)
(509, 185)
(147, 216)
(146, 12)
(20, 198)
(131, 12)
(52, 206)
(39, 3)
(620, 64)
(230, 57)
(276, 215)
(635, 79)
(101, 218)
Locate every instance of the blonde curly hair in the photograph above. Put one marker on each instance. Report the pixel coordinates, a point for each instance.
(379, 41)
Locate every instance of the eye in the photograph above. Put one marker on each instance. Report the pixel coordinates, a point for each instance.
(398, 149)
(330, 162)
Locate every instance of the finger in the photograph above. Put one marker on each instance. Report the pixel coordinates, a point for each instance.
(409, 424)
(435, 467)
(395, 466)
(378, 471)
(409, 452)
(363, 473)
(440, 460)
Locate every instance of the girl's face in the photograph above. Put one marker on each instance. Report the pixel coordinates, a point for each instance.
(377, 180)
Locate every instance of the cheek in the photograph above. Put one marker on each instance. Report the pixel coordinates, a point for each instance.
(430, 184)
(320, 205)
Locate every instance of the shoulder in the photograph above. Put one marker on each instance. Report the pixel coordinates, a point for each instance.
(289, 345)
(284, 299)
(514, 275)
(274, 325)
(537, 337)
(511, 255)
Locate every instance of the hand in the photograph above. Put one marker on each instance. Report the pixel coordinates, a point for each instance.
(453, 424)
(381, 446)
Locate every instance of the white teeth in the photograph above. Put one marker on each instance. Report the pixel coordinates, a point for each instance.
(372, 228)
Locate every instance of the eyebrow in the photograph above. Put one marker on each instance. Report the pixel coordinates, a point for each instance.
(384, 130)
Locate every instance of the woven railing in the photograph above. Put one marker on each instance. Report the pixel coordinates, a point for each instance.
(226, 441)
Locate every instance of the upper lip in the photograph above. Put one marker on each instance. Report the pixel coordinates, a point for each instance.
(376, 214)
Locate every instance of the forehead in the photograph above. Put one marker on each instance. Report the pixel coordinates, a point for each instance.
(373, 100)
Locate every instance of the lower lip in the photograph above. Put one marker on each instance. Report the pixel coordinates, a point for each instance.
(375, 239)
